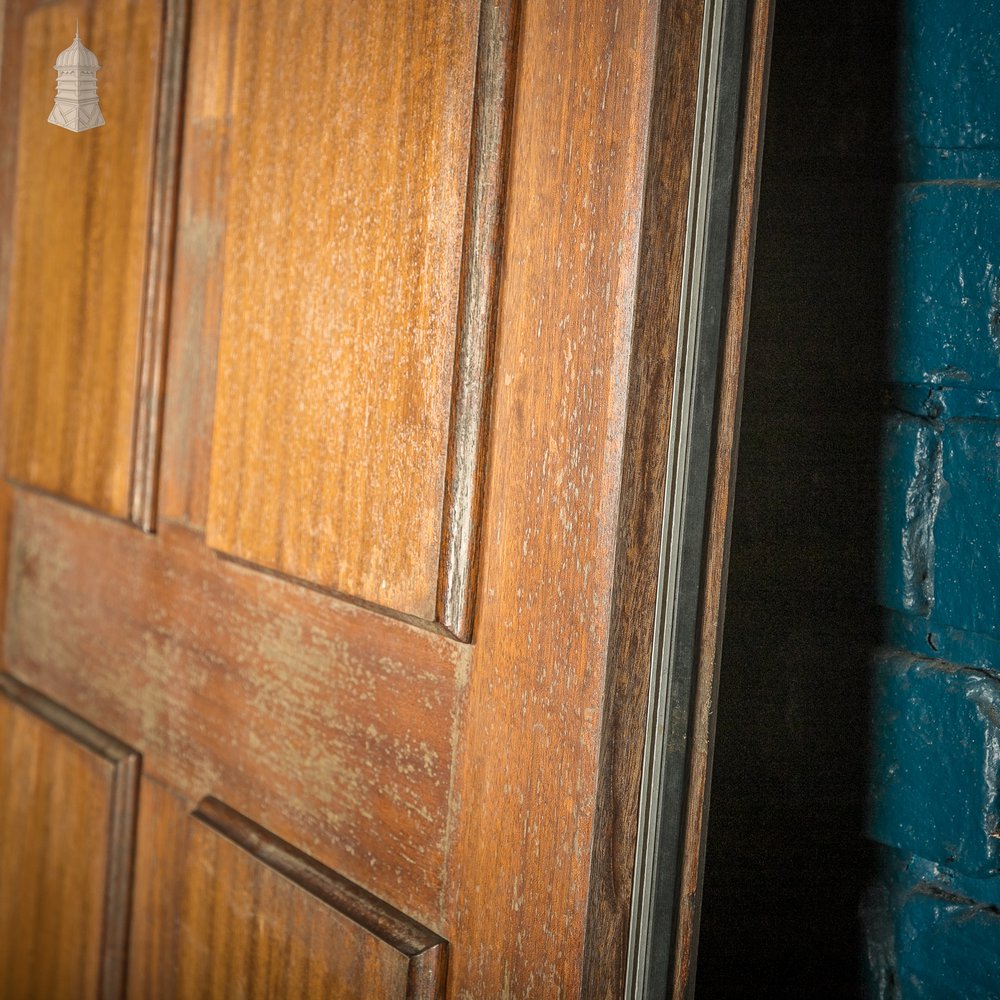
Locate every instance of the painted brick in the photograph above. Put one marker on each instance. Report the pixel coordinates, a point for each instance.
(916, 635)
(930, 933)
(949, 82)
(947, 948)
(935, 761)
(944, 323)
(940, 510)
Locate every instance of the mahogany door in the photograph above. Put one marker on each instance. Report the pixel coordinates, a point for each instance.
(336, 383)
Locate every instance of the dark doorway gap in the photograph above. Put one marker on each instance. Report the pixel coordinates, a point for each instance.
(787, 863)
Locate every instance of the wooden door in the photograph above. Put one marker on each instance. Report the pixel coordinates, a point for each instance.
(335, 409)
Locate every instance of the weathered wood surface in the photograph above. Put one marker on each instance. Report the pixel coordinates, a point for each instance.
(344, 234)
(332, 725)
(68, 793)
(640, 513)
(225, 909)
(80, 233)
(459, 783)
(471, 393)
(529, 755)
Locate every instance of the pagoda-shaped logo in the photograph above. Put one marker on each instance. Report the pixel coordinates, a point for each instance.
(76, 106)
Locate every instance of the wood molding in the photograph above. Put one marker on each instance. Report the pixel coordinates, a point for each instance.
(619, 798)
(484, 230)
(196, 292)
(112, 646)
(12, 17)
(85, 278)
(640, 515)
(125, 765)
(425, 952)
(151, 376)
(11, 42)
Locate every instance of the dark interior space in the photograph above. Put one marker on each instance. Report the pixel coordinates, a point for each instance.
(787, 863)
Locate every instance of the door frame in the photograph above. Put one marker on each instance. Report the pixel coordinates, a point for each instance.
(697, 504)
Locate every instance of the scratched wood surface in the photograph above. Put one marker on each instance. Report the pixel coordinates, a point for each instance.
(332, 725)
(225, 909)
(68, 793)
(80, 237)
(529, 757)
(482, 789)
(346, 204)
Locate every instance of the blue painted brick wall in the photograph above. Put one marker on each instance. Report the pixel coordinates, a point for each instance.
(934, 930)
(935, 761)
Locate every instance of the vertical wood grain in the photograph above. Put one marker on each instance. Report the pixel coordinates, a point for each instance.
(521, 853)
(11, 45)
(226, 909)
(491, 130)
(67, 825)
(348, 160)
(77, 275)
(196, 302)
(161, 845)
(640, 513)
(159, 267)
(12, 16)
(6, 512)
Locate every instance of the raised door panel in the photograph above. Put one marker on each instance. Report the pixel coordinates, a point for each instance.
(67, 808)
(348, 161)
(82, 334)
(226, 910)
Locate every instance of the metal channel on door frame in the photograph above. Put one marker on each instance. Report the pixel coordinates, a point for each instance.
(674, 663)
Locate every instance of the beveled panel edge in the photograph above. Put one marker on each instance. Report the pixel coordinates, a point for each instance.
(164, 188)
(123, 795)
(477, 314)
(426, 951)
(89, 736)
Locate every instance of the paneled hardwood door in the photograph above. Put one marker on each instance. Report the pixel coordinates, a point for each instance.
(335, 407)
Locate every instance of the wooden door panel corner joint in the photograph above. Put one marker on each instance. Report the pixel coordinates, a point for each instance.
(371, 948)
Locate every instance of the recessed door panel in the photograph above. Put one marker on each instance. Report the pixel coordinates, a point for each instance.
(348, 146)
(79, 372)
(67, 808)
(227, 910)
